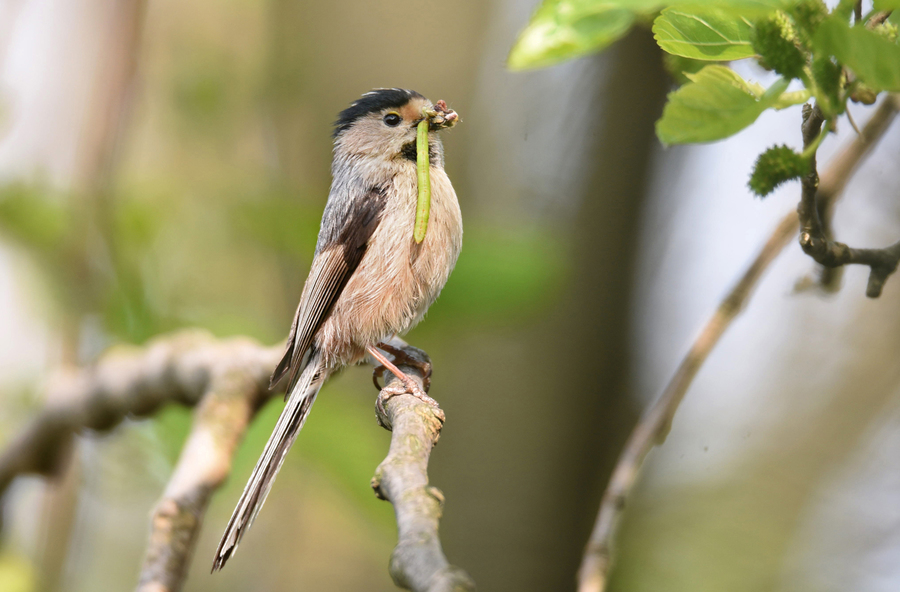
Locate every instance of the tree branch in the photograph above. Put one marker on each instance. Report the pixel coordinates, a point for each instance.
(418, 562)
(653, 426)
(227, 381)
(127, 381)
(237, 386)
(815, 240)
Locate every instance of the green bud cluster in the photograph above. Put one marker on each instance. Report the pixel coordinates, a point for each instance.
(775, 166)
(807, 15)
(888, 30)
(828, 76)
(775, 40)
(863, 93)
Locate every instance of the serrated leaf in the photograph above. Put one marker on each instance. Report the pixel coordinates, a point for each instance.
(716, 104)
(564, 29)
(874, 59)
(678, 67)
(707, 34)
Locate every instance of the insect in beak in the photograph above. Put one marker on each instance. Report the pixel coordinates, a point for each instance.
(440, 116)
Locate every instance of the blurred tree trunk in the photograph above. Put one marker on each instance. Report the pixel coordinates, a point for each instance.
(553, 407)
(105, 117)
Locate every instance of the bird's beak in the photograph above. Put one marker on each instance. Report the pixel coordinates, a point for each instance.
(441, 116)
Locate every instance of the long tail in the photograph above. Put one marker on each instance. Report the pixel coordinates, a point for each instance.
(299, 402)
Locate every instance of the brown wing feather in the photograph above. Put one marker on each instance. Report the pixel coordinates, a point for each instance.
(285, 363)
(331, 269)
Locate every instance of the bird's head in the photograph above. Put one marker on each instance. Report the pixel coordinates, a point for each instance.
(382, 123)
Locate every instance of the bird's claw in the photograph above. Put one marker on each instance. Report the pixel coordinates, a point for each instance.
(406, 388)
(403, 357)
(404, 385)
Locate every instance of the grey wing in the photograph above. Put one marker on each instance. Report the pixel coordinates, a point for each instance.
(331, 269)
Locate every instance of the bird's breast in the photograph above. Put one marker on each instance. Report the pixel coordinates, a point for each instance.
(397, 279)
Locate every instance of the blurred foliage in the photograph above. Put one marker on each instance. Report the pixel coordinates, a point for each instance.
(201, 94)
(278, 222)
(29, 216)
(873, 57)
(503, 277)
(16, 574)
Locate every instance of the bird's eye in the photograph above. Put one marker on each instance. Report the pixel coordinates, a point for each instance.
(392, 119)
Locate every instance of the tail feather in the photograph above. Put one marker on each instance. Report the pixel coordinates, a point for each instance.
(299, 402)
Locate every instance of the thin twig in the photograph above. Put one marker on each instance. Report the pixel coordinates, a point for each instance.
(653, 425)
(418, 562)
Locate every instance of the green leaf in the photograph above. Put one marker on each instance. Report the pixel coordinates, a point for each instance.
(678, 67)
(716, 104)
(710, 34)
(564, 29)
(874, 59)
(828, 76)
(887, 4)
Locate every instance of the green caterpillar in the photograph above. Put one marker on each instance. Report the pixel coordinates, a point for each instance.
(423, 205)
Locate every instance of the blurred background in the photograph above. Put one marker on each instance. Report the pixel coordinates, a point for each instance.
(164, 164)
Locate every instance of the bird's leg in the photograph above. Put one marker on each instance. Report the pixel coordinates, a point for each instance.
(409, 385)
(404, 358)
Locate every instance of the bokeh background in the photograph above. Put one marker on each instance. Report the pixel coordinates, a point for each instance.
(164, 164)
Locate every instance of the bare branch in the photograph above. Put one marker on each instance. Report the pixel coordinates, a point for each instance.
(654, 424)
(232, 398)
(418, 562)
(814, 238)
(228, 382)
(127, 381)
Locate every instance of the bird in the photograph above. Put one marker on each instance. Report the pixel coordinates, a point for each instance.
(369, 279)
